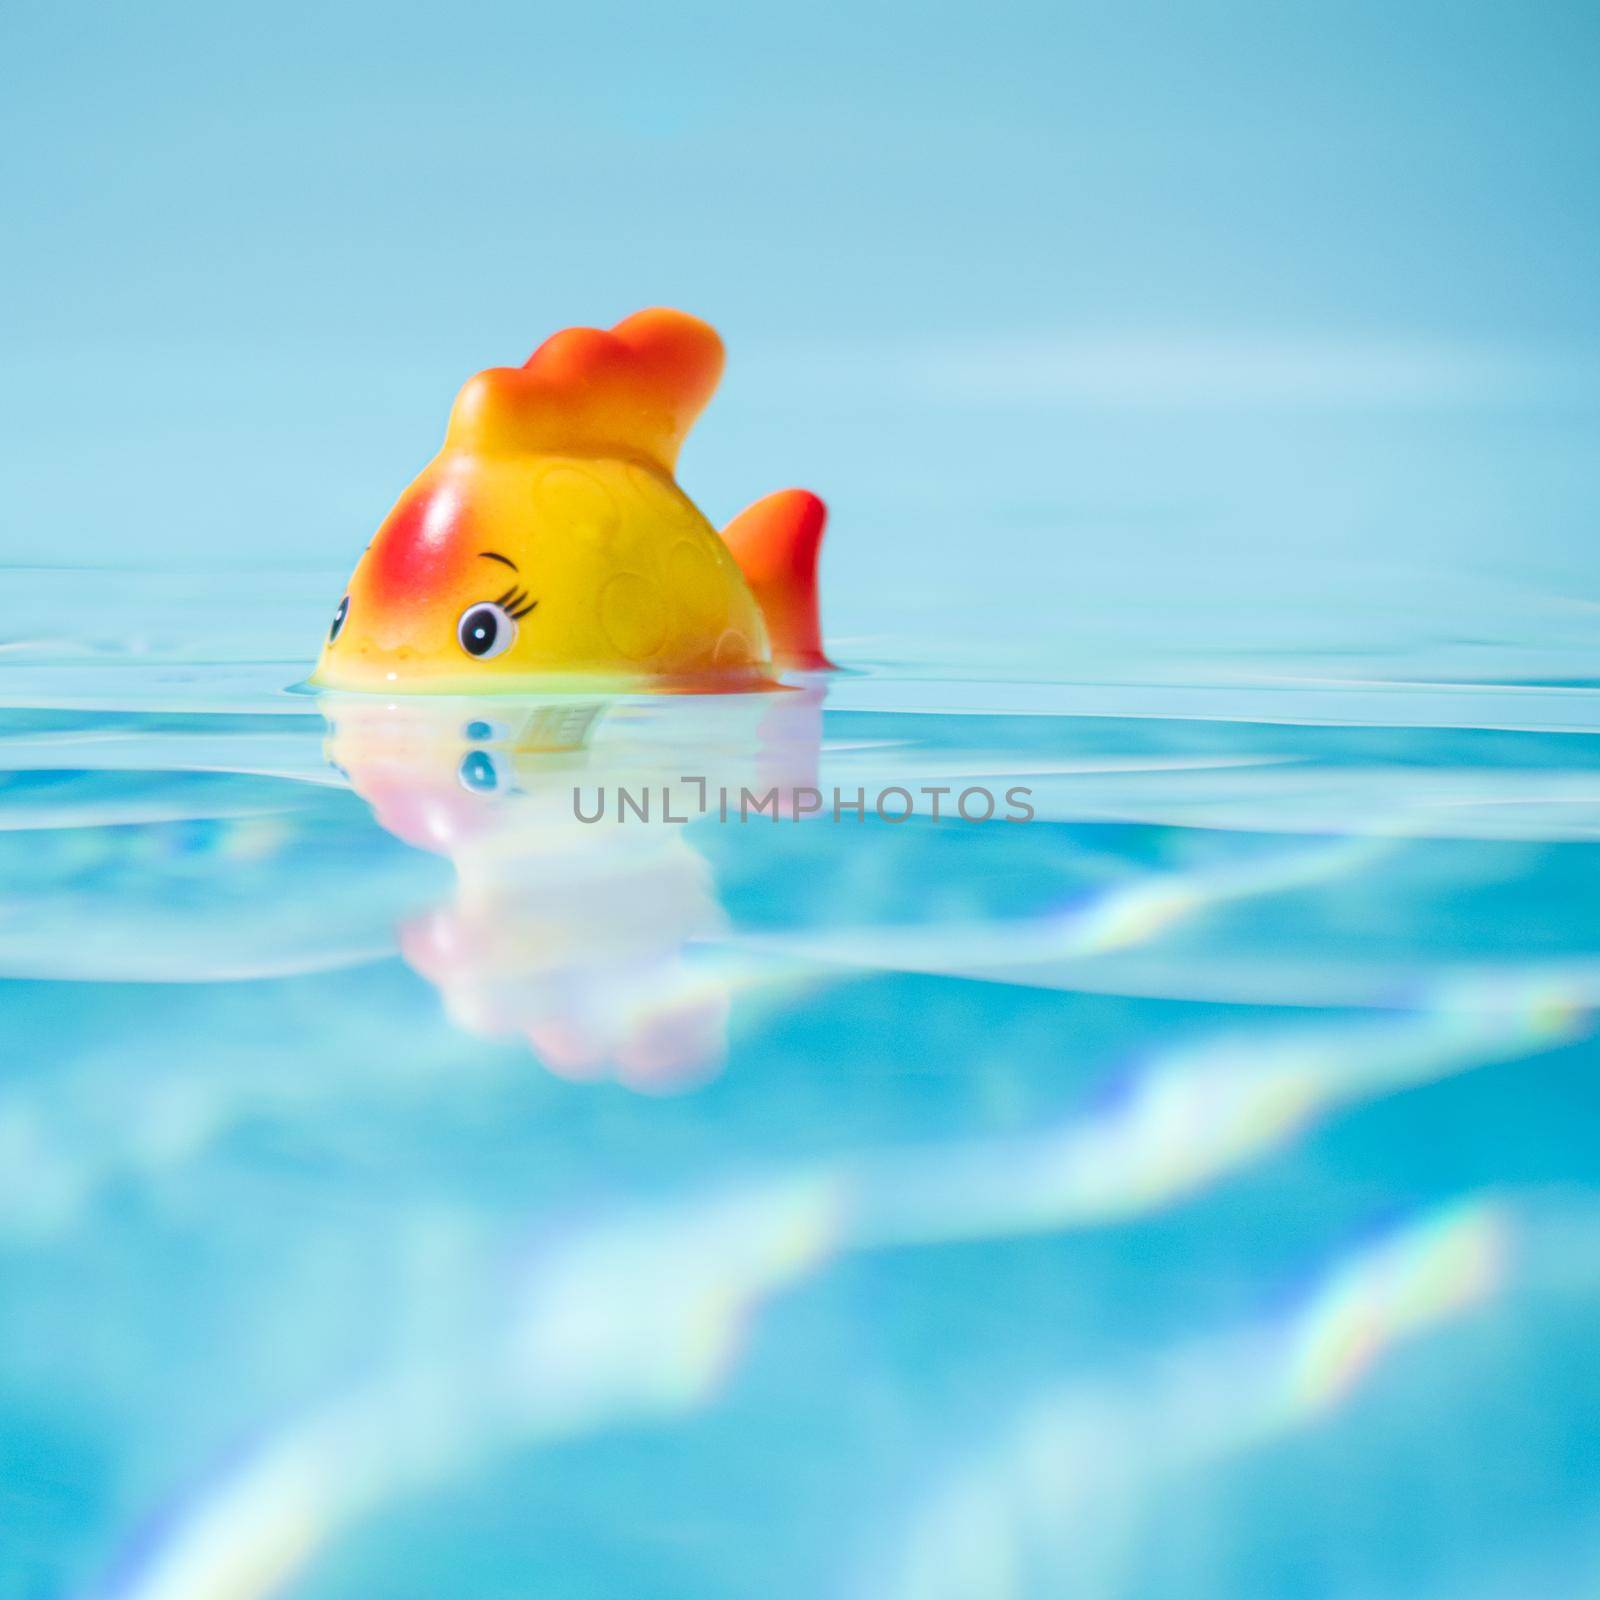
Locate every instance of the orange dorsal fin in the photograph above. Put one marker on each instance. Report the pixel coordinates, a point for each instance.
(633, 391)
(776, 543)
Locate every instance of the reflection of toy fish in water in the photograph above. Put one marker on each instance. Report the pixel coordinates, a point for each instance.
(588, 941)
(548, 539)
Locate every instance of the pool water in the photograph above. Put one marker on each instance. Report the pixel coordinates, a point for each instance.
(409, 1188)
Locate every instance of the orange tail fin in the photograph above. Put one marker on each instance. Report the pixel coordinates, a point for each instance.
(776, 543)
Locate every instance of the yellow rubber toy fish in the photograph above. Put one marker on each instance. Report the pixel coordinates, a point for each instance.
(548, 539)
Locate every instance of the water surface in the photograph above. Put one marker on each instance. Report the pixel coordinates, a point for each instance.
(412, 1189)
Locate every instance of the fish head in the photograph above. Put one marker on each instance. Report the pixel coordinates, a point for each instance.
(549, 539)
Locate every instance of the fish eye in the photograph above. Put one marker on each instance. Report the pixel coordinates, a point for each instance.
(482, 771)
(486, 630)
(338, 619)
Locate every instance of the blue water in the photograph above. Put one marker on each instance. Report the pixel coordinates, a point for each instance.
(409, 1189)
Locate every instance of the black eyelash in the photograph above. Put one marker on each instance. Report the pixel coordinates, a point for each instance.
(512, 598)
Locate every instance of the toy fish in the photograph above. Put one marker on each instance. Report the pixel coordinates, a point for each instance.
(548, 539)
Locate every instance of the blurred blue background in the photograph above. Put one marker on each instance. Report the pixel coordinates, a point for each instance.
(1258, 300)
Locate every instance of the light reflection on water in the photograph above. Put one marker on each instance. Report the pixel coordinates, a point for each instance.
(411, 1188)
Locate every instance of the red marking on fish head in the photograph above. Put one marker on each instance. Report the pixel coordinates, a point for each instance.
(421, 546)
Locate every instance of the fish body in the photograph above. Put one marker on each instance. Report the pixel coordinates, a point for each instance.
(549, 539)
